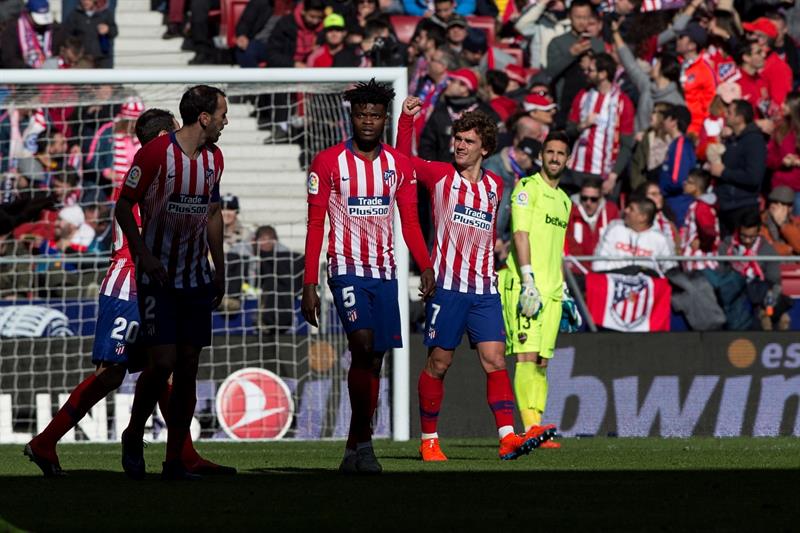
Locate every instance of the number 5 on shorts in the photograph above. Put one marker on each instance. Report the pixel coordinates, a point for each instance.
(348, 296)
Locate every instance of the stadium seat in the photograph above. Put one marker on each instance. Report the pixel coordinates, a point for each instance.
(404, 26)
(485, 24)
(230, 12)
(790, 279)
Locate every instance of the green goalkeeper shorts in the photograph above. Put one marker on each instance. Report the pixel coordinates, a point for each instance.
(523, 334)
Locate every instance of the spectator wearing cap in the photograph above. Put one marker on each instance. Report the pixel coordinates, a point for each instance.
(30, 41)
(740, 171)
(784, 146)
(785, 46)
(540, 23)
(697, 77)
(661, 84)
(113, 146)
(497, 84)
(680, 160)
(541, 109)
(477, 53)
(511, 164)
(565, 51)
(238, 248)
(776, 73)
(601, 119)
(334, 32)
(459, 97)
(456, 33)
(591, 213)
(778, 226)
(96, 28)
(62, 277)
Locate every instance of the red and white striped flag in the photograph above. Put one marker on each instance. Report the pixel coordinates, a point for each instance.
(658, 5)
(629, 303)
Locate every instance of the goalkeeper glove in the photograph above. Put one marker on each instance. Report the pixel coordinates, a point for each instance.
(529, 300)
(571, 320)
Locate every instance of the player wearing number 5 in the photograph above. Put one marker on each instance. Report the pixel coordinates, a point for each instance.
(531, 286)
(465, 199)
(357, 183)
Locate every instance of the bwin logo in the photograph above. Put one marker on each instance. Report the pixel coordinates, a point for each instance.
(555, 221)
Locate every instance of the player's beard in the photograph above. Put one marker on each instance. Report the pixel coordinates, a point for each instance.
(557, 175)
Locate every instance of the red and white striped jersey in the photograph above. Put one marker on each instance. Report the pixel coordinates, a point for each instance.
(125, 148)
(174, 193)
(360, 196)
(464, 216)
(596, 149)
(702, 224)
(120, 279)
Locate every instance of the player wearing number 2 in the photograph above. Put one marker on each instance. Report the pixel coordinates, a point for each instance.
(357, 183)
(531, 286)
(114, 352)
(465, 199)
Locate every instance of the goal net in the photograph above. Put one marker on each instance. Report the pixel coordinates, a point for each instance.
(267, 375)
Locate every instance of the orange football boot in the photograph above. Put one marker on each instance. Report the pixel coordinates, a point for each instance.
(541, 433)
(430, 451)
(513, 446)
(550, 445)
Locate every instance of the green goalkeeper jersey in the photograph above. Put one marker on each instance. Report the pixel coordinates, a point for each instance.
(543, 212)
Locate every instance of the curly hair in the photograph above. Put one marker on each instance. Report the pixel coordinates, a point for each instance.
(370, 92)
(484, 126)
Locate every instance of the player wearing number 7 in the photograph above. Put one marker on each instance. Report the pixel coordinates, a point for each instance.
(114, 351)
(357, 183)
(531, 286)
(465, 199)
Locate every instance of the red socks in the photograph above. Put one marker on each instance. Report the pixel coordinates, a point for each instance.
(362, 386)
(500, 397)
(189, 455)
(431, 392)
(88, 392)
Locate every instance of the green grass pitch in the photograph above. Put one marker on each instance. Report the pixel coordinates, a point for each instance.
(600, 484)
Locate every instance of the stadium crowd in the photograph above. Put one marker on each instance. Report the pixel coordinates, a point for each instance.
(684, 119)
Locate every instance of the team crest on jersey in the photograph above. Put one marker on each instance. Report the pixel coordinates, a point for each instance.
(522, 337)
(313, 183)
(134, 176)
(120, 349)
(431, 333)
(389, 177)
(521, 199)
(209, 173)
(492, 196)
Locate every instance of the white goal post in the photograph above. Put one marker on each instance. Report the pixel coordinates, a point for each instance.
(400, 401)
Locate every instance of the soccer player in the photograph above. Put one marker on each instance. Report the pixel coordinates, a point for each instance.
(532, 284)
(175, 180)
(117, 325)
(357, 183)
(465, 199)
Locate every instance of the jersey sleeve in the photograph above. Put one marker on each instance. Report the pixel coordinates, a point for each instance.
(319, 181)
(627, 116)
(523, 201)
(145, 169)
(219, 164)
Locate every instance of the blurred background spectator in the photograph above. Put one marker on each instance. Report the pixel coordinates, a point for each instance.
(96, 29)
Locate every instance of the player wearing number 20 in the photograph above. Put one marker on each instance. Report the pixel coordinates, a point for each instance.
(532, 285)
(465, 199)
(357, 183)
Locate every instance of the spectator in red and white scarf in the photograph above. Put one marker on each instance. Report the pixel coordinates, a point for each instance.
(30, 41)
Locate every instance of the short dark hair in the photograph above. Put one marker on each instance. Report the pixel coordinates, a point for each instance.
(681, 114)
(750, 219)
(266, 230)
(484, 126)
(646, 206)
(605, 63)
(557, 135)
(581, 3)
(371, 92)
(374, 26)
(701, 178)
(670, 67)
(75, 44)
(744, 110)
(151, 122)
(745, 48)
(592, 182)
(196, 100)
(497, 80)
(433, 30)
(313, 5)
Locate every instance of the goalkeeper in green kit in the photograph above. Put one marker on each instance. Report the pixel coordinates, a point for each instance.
(532, 285)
